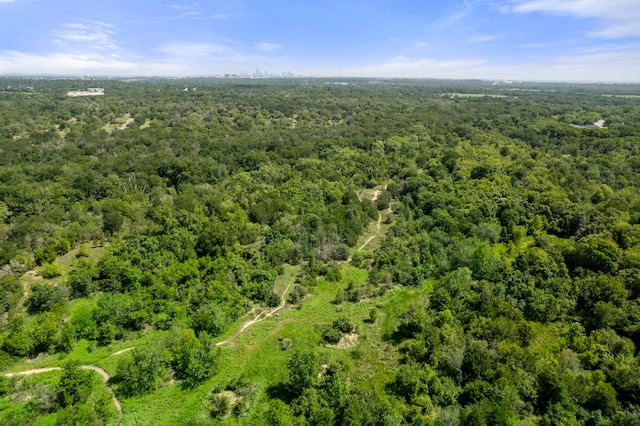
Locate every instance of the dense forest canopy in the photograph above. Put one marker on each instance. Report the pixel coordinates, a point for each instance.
(319, 251)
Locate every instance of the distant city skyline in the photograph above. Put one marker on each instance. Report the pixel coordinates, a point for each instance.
(541, 40)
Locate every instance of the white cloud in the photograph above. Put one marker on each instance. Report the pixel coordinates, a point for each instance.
(483, 38)
(61, 63)
(451, 18)
(198, 50)
(615, 18)
(97, 35)
(192, 12)
(402, 66)
(267, 47)
(616, 65)
(7, 1)
(199, 55)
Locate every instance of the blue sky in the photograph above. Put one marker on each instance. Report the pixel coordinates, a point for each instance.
(558, 40)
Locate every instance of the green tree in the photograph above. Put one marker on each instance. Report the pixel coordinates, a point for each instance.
(595, 253)
(303, 371)
(279, 414)
(75, 384)
(43, 297)
(194, 357)
(143, 371)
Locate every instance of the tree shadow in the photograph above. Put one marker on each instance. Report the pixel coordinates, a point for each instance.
(281, 391)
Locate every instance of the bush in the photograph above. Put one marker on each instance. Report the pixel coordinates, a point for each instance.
(373, 315)
(219, 406)
(82, 280)
(210, 318)
(332, 335)
(343, 324)
(297, 294)
(75, 385)
(50, 270)
(43, 298)
(334, 275)
(46, 254)
(286, 344)
(142, 372)
(83, 251)
(194, 358)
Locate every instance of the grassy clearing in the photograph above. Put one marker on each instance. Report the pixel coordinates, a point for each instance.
(66, 263)
(257, 356)
(372, 237)
(120, 123)
(473, 95)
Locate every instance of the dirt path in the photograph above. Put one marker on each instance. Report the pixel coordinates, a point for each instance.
(105, 380)
(122, 351)
(374, 197)
(260, 317)
(33, 371)
(374, 235)
(32, 275)
(100, 371)
(105, 376)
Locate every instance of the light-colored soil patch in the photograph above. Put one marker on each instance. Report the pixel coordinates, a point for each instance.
(324, 370)
(126, 124)
(600, 124)
(347, 341)
(33, 274)
(231, 396)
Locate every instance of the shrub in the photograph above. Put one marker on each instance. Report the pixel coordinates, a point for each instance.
(219, 406)
(43, 298)
(286, 344)
(343, 324)
(50, 270)
(332, 335)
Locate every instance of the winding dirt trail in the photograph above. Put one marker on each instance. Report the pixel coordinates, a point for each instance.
(374, 196)
(100, 371)
(374, 235)
(103, 374)
(105, 380)
(260, 317)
